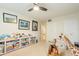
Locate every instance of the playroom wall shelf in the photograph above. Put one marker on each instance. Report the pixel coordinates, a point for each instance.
(11, 44)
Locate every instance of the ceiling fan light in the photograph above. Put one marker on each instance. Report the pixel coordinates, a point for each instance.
(36, 8)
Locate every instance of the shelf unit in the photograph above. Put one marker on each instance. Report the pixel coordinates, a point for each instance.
(33, 40)
(11, 44)
(2, 46)
(24, 42)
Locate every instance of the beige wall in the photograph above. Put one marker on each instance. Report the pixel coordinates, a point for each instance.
(68, 24)
(10, 27)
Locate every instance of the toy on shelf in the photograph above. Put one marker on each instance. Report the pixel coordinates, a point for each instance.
(24, 40)
(12, 45)
(3, 36)
(16, 35)
(16, 44)
(9, 46)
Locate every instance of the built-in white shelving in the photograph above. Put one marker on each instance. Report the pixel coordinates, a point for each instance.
(11, 44)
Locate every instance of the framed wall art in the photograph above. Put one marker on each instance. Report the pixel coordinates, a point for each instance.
(9, 18)
(34, 25)
(24, 24)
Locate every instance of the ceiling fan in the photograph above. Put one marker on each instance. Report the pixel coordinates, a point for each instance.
(37, 7)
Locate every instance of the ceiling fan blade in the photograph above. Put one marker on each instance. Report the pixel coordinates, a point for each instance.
(30, 9)
(35, 3)
(43, 9)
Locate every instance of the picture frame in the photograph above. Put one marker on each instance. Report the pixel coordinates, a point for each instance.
(24, 24)
(34, 25)
(9, 18)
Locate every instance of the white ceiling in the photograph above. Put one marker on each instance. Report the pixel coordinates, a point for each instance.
(54, 9)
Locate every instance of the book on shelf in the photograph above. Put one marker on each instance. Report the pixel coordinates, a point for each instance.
(11, 45)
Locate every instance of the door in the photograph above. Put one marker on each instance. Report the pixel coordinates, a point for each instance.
(43, 31)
